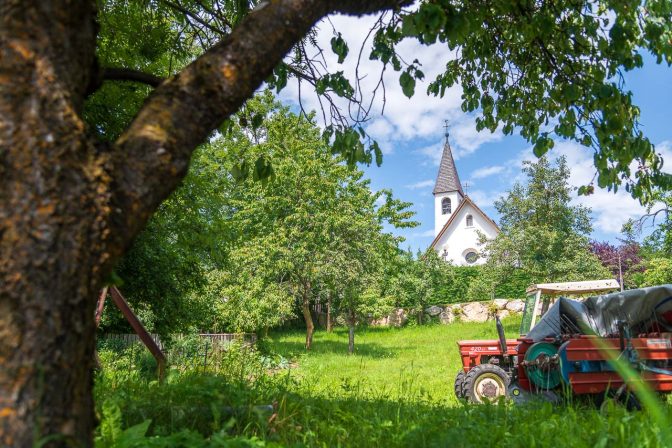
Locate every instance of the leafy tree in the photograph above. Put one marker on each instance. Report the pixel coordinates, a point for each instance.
(658, 272)
(357, 252)
(659, 242)
(72, 202)
(420, 281)
(241, 300)
(314, 228)
(623, 261)
(541, 233)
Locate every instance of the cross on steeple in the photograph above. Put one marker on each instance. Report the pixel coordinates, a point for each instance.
(466, 186)
(447, 180)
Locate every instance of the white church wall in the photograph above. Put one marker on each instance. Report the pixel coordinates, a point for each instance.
(439, 218)
(459, 239)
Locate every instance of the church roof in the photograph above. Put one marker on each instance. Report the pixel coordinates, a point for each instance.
(447, 180)
(463, 203)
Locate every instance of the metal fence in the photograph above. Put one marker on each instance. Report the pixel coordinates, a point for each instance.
(215, 339)
(206, 351)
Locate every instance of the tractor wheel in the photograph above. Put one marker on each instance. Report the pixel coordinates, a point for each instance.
(459, 384)
(485, 382)
(613, 399)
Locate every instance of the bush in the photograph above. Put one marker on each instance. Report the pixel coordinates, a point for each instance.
(658, 272)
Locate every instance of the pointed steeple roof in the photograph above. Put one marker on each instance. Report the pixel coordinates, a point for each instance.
(447, 180)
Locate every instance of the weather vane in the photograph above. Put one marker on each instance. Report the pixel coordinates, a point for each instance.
(445, 126)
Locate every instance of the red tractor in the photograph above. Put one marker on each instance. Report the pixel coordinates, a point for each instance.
(565, 345)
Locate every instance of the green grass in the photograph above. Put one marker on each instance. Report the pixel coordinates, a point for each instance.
(395, 391)
(390, 360)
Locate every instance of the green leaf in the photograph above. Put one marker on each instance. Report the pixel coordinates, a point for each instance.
(542, 146)
(339, 47)
(239, 172)
(407, 84)
(378, 153)
(257, 120)
(263, 170)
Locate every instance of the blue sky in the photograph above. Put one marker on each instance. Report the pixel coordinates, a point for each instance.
(411, 134)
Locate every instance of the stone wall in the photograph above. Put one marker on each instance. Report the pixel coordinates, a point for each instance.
(465, 312)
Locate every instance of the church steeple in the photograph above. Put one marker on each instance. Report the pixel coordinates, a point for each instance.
(447, 180)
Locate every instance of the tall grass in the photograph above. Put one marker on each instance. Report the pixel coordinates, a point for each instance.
(395, 391)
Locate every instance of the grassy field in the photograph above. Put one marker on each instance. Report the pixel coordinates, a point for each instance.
(396, 391)
(390, 362)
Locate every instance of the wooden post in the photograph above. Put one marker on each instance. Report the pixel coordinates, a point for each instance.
(101, 305)
(99, 313)
(145, 337)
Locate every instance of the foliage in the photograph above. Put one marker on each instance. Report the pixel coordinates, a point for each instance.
(140, 36)
(396, 391)
(243, 302)
(416, 282)
(623, 260)
(659, 242)
(163, 275)
(541, 233)
(573, 90)
(312, 228)
(658, 272)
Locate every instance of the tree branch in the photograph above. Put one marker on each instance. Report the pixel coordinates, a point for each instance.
(128, 74)
(153, 154)
(195, 17)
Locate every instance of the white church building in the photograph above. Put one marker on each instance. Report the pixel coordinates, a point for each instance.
(457, 219)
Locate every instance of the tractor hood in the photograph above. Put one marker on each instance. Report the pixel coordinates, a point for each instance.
(643, 310)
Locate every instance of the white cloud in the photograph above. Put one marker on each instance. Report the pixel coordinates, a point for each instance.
(421, 185)
(404, 119)
(610, 210)
(433, 153)
(484, 199)
(423, 234)
(467, 139)
(487, 171)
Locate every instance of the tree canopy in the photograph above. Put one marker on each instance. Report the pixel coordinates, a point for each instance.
(542, 234)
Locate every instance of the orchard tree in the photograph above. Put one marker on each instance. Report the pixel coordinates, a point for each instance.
(542, 234)
(356, 251)
(418, 281)
(74, 194)
(313, 229)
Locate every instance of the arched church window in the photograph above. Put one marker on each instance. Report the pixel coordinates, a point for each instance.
(445, 206)
(470, 221)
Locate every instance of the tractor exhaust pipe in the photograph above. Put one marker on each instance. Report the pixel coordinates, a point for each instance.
(502, 338)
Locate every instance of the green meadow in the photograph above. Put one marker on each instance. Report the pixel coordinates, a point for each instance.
(396, 390)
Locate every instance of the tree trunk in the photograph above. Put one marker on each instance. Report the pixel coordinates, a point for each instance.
(329, 323)
(351, 333)
(310, 327)
(54, 211)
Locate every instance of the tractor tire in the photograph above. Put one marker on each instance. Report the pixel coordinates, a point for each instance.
(485, 382)
(459, 384)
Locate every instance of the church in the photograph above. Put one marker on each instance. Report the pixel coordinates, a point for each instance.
(457, 219)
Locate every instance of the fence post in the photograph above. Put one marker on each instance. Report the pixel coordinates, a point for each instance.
(140, 330)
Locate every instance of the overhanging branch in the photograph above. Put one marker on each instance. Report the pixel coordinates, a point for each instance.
(153, 153)
(128, 74)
